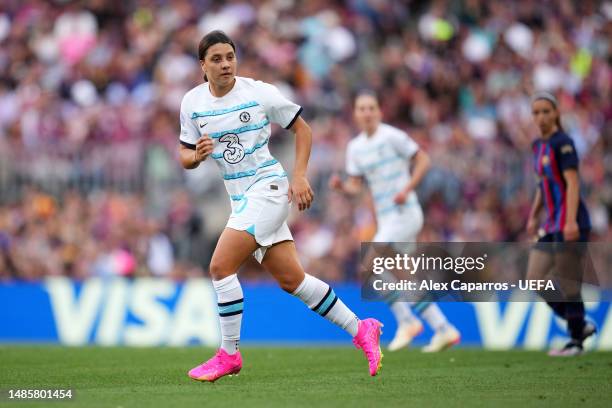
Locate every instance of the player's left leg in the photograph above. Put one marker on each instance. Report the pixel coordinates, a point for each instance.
(568, 270)
(445, 334)
(282, 261)
(539, 266)
(408, 325)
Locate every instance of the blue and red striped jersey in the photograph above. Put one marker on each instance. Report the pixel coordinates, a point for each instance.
(552, 158)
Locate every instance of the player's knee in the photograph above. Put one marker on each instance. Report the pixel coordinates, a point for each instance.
(218, 271)
(288, 284)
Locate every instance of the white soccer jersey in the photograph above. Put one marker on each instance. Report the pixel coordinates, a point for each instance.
(383, 159)
(240, 125)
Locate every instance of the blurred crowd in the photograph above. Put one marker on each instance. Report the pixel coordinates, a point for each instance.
(102, 234)
(90, 90)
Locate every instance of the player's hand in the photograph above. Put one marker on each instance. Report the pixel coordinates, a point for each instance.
(571, 231)
(302, 193)
(204, 147)
(400, 198)
(532, 226)
(335, 183)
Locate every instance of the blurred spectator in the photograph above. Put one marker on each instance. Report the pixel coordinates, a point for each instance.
(90, 91)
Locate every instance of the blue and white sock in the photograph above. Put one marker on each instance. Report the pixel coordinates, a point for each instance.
(230, 304)
(320, 298)
(401, 310)
(431, 313)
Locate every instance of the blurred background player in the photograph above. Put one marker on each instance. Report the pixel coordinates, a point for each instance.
(381, 154)
(567, 220)
(228, 119)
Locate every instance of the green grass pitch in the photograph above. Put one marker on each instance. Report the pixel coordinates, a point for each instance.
(307, 377)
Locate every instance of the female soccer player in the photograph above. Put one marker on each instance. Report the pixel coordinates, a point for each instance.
(228, 118)
(567, 219)
(381, 154)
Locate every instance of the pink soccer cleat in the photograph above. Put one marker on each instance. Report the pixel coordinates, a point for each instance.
(368, 339)
(221, 364)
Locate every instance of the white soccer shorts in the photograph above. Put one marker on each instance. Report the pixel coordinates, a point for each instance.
(262, 211)
(402, 225)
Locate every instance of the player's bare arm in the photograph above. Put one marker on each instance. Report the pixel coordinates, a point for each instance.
(534, 213)
(352, 186)
(422, 163)
(571, 231)
(191, 158)
(300, 189)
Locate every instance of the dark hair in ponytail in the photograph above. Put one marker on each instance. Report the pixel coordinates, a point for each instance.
(210, 39)
(558, 121)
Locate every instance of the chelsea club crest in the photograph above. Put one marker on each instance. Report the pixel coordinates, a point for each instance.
(245, 117)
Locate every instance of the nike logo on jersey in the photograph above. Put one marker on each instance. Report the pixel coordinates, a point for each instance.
(203, 124)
